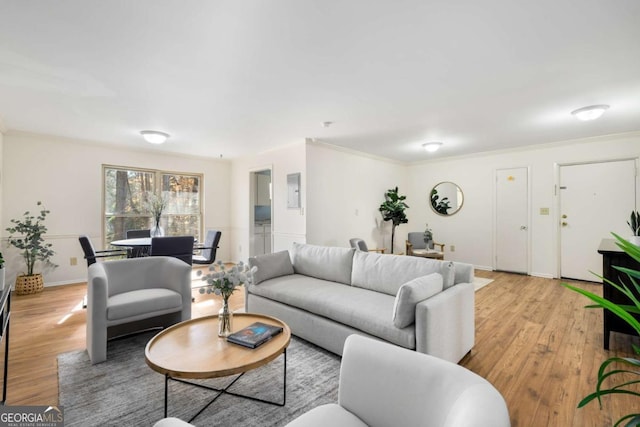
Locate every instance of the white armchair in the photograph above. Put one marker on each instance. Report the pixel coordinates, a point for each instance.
(382, 385)
(134, 294)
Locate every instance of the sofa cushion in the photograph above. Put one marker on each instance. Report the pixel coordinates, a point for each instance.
(386, 273)
(134, 303)
(411, 293)
(368, 311)
(271, 265)
(323, 262)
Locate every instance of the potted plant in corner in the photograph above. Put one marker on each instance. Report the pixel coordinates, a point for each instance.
(634, 224)
(26, 234)
(623, 369)
(392, 209)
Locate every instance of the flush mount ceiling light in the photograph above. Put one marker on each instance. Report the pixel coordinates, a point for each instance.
(431, 147)
(154, 136)
(591, 112)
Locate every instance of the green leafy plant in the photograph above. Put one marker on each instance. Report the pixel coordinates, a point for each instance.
(440, 206)
(610, 368)
(634, 223)
(1, 261)
(392, 209)
(26, 234)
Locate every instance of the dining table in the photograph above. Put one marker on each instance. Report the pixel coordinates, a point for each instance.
(144, 244)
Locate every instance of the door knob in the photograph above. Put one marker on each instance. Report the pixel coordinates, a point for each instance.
(564, 216)
(523, 227)
(564, 223)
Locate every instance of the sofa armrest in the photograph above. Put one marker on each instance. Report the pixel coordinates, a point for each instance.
(464, 273)
(445, 323)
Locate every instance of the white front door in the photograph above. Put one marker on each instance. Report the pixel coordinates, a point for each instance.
(512, 220)
(596, 199)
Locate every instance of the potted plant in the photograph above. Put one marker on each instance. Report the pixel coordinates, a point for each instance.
(614, 367)
(26, 234)
(392, 209)
(634, 224)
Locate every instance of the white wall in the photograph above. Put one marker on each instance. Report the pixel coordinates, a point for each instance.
(471, 229)
(66, 175)
(288, 225)
(345, 190)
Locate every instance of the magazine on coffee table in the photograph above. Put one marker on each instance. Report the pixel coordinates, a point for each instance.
(254, 335)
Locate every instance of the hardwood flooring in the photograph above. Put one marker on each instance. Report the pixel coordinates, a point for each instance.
(535, 342)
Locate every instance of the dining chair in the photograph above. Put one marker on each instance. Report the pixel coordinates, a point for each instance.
(91, 255)
(140, 251)
(208, 254)
(180, 247)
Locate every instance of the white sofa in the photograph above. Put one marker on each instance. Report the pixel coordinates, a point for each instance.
(326, 294)
(382, 385)
(129, 295)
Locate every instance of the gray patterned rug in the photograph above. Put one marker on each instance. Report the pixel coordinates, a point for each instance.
(124, 391)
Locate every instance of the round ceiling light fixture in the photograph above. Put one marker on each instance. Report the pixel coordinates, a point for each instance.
(431, 147)
(154, 136)
(591, 112)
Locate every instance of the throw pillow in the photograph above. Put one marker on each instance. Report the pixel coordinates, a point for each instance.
(271, 265)
(410, 294)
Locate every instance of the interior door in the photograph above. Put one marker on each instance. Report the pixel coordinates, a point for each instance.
(595, 200)
(512, 220)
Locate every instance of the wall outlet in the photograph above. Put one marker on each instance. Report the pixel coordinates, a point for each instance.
(544, 211)
(453, 248)
(73, 261)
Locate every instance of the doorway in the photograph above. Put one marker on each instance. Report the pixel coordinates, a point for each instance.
(512, 220)
(595, 199)
(261, 212)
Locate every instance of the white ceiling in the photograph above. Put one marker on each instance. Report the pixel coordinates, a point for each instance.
(239, 76)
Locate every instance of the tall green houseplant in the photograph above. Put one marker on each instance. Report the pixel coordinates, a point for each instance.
(392, 209)
(26, 235)
(614, 367)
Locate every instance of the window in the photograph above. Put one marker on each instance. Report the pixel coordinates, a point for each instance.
(126, 195)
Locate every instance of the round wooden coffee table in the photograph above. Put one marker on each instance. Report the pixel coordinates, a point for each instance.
(193, 350)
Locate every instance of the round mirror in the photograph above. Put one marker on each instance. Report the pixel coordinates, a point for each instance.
(446, 198)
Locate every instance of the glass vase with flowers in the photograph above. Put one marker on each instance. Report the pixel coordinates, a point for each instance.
(224, 281)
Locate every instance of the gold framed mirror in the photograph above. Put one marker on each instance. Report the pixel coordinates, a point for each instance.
(446, 198)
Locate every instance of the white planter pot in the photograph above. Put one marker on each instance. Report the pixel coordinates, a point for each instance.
(635, 240)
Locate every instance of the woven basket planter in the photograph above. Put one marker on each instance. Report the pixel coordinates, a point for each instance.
(26, 285)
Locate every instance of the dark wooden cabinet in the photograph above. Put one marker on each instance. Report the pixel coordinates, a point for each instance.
(612, 256)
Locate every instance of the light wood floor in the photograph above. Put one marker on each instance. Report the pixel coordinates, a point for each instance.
(535, 342)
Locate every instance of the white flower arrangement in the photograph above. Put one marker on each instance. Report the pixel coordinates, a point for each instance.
(224, 281)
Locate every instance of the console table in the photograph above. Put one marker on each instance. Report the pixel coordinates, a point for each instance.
(612, 256)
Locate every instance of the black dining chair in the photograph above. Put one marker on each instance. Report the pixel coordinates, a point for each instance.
(180, 247)
(140, 251)
(91, 254)
(208, 251)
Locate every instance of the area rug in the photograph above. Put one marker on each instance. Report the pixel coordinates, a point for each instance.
(480, 282)
(124, 391)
